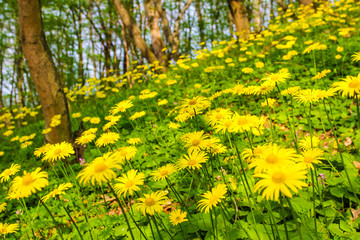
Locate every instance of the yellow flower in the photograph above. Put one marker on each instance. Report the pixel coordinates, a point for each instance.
(29, 183)
(76, 115)
(243, 123)
(162, 102)
(6, 228)
(195, 140)
(128, 183)
(107, 138)
(238, 89)
(356, 57)
(305, 143)
(349, 86)
(308, 96)
(1, 153)
(193, 160)
(195, 104)
(259, 64)
(58, 151)
(95, 120)
(46, 130)
(247, 70)
(269, 102)
(151, 203)
(310, 157)
(162, 172)
(58, 191)
(134, 141)
(5, 175)
(218, 114)
(2, 207)
(172, 125)
(272, 156)
(137, 115)
(125, 153)
(249, 154)
(99, 171)
(321, 74)
(85, 139)
(276, 78)
(177, 216)
(212, 198)
(277, 180)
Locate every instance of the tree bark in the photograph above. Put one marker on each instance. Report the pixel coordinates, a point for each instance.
(134, 32)
(42, 69)
(306, 2)
(240, 16)
(157, 42)
(200, 22)
(257, 16)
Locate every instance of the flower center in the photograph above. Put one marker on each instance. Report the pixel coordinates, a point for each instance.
(278, 177)
(164, 172)
(129, 184)
(242, 121)
(219, 116)
(57, 152)
(308, 159)
(192, 102)
(257, 151)
(100, 167)
(7, 172)
(213, 199)
(195, 142)
(150, 202)
(191, 162)
(354, 84)
(27, 180)
(272, 158)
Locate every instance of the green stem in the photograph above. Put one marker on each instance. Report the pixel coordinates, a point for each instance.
(295, 219)
(52, 217)
(122, 209)
(314, 204)
(72, 220)
(284, 218)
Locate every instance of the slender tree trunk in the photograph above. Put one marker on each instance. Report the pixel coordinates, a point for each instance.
(306, 2)
(240, 16)
(1, 78)
(231, 22)
(257, 16)
(134, 32)
(200, 21)
(157, 42)
(42, 69)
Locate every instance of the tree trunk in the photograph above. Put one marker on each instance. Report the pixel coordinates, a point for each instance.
(240, 16)
(157, 42)
(42, 69)
(19, 70)
(257, 16)
(200, 22)
(306, 2)
(134, 32)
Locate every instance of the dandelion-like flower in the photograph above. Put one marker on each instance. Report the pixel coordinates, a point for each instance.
(129, 182)
(195, 140)
(151, 203)
(356, 56)
(272, 156)
(193, 160)
(6, 228)
(100, 170)
(349, 86)
(305, 143)
(277, 180)
(57, 191)
(310, 156)
(121, 107)
(29, 183)
(177, 216)
(3, 207)
(58, 151)
(85, 139)
(107, 138)
(162, 172)
(212, 198)
(7, 173)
